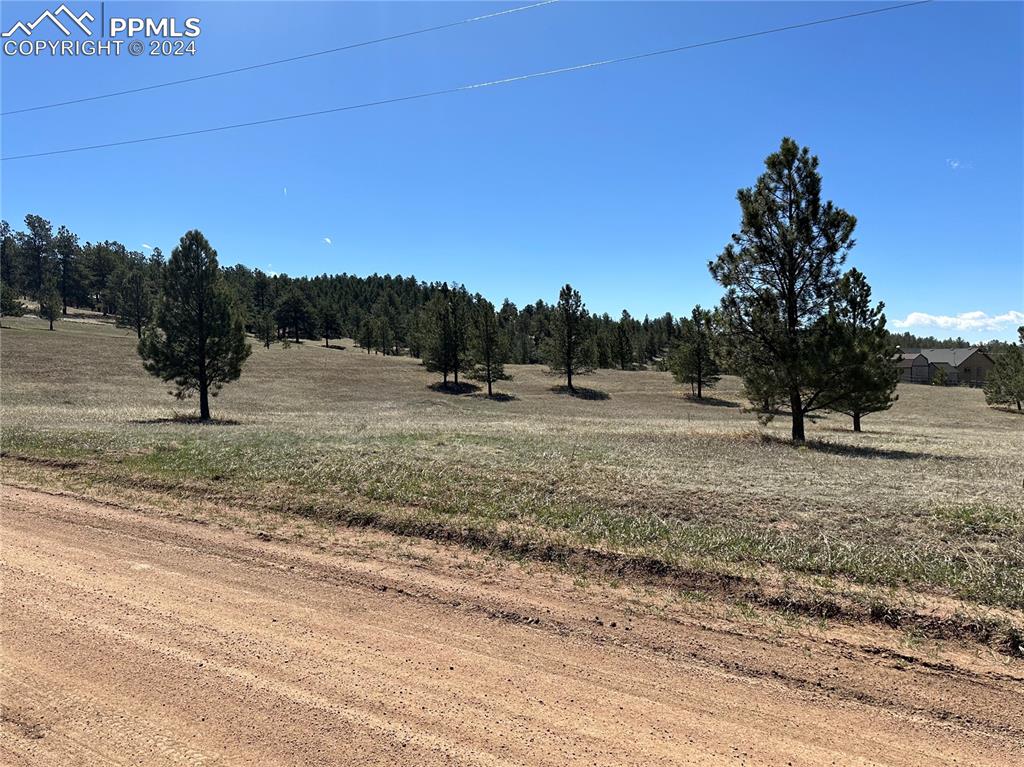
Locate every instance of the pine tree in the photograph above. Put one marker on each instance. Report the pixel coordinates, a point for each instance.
(198, 338)
(66, 250)
(329, 321)
(780, 273)
(693, 359)
(866, 375)
(34, 249)
(10, 304)
(567, 350)
(294, 312)
(266, 328)
(623, 342)
(1005, 382)
(8, 259)
(445, 350)
(488, 345)
(49, 296)
(135, 301)
(366, 334)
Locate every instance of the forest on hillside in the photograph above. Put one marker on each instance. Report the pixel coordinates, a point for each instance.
(383, 313)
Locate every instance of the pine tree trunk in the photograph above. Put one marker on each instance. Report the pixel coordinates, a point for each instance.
(796, 407)
(856, 421)
(204, 402)
(204, 385)
(568, 377)
(489, 392)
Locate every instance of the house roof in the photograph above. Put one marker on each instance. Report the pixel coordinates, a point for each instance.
(908, 360)
(952, 357)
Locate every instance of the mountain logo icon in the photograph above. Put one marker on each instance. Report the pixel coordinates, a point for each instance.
(62, 13)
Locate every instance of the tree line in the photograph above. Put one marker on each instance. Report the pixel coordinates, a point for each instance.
(383, 314)
(803, 334)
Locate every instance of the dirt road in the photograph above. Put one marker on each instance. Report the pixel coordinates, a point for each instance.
(130, 637)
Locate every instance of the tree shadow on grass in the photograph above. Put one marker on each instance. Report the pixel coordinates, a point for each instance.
(187, 419)
(339, 347)
(450, 387)
(857, 451)
(581, 392)
(710, 401)
(498, 396)
(1008, 409)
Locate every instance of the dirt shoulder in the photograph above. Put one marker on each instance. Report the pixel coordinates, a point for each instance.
(132, 637)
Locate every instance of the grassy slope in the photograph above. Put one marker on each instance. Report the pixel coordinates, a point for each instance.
(928, 497)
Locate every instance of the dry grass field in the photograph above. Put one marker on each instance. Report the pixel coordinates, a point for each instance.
(351, 568)
(919, 518)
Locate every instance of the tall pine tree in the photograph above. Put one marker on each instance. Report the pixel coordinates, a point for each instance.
(693, 361)
(489, 346)
(780, 273)
(198, 339)
(567, 350)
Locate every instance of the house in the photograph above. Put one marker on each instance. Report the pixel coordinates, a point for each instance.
(965, 367)
(914, 368)
(959, 367)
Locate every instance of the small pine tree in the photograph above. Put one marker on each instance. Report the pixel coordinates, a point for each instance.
(693, 359)
(1005, 382)
(49, 300)
(939, 379)
(489, 346)
(567, 350)
(198, 338)
(867, 375)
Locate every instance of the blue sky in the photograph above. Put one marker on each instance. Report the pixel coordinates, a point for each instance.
(621, 180)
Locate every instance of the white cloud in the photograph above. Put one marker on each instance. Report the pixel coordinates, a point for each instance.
(955, 165)
(327, 240)
(286, 191)
(968, 322)
(147, 246)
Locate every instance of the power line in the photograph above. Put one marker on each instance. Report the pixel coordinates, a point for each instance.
(473, 86)
(275, 62)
